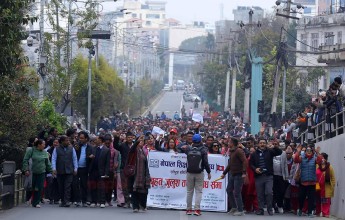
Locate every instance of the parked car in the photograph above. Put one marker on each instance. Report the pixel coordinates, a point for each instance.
(167, 87)
(190, 97)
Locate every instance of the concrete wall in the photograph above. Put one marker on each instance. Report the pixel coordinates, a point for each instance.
(335, 148)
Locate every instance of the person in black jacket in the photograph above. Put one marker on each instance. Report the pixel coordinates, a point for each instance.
(99, 170)
(124, 148)
(261, 161)
(83, 151)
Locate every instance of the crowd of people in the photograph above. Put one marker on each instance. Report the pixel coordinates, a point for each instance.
(111, 168)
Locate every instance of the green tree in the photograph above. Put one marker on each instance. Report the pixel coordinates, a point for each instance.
(18, 119)
(108, 91)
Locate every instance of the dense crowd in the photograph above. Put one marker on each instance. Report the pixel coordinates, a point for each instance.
(111, 167)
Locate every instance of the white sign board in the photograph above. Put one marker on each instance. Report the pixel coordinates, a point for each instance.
(168, 182)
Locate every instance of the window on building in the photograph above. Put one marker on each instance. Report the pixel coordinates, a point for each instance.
(314, 41)
(304, 42)
(314, 87)
(340, 37)
(329, 38)
(134, 15)
(148, 23)
(153, 16)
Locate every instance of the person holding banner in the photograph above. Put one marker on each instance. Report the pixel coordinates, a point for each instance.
(139, 183)
(237, 167)
(197, 161)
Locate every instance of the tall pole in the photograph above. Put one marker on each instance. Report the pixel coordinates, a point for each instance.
(97, 41)
(233, 86)
(227, 86)
(247, 90)
(41, 52)
(278, 74)
(89, 96)
(284, 93)
(58, 32)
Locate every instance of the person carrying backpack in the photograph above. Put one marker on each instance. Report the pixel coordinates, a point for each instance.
(197, 161)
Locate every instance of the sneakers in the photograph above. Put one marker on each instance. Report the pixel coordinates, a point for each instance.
(102, 206)
(299, 212)
(135, 210)
(281, 210)
(84, 205)
(77, 204)
(189, 212)
(237, 213)
(197, 212)
(270, 212)
(110, 204)
(144, 209)
(232, 211)
(260, 212)
(93, 205)
(37, 206)
(311, 215)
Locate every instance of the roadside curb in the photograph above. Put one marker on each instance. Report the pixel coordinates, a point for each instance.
(154, 102)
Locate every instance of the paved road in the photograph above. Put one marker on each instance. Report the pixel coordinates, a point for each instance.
(172, 102)
(52, 212)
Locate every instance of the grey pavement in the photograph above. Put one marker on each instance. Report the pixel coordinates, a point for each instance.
(53, 212)
(171, 102)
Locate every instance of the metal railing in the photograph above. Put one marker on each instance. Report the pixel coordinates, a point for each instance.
(331, 127)
(12, 192)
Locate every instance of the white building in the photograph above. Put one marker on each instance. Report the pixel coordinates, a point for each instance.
(319, 36)
(241, 13)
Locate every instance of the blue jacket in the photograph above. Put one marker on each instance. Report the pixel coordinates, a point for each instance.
(308, 169)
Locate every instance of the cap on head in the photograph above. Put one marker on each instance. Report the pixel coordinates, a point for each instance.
(174, 130)
(197, 138)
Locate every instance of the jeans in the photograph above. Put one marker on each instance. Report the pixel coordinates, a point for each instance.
(65, 187)
(264, 189)
(195, 181)
(234, 191)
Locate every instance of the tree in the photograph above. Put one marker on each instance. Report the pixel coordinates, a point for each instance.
(108, 89)
(18, 114)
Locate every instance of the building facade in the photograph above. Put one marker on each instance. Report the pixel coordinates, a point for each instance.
(318, 39)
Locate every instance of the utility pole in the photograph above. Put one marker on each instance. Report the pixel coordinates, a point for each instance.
(248, 74)
(58, 32)
(97, 41)
(89, 100)
(227, 86)
(278, 74)
(234, 79)
(41, 52)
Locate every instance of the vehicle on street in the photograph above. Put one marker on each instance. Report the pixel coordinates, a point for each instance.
(167, 87)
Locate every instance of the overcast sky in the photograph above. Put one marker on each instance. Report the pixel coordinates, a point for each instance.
(187, 11)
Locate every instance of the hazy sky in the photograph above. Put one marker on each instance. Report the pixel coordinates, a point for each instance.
(187, 11)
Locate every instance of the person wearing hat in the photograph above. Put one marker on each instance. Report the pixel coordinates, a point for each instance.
(197, 161)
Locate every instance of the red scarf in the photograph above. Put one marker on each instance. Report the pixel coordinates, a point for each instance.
(327, 172)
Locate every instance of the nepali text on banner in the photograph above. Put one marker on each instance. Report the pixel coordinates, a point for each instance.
(168, 182)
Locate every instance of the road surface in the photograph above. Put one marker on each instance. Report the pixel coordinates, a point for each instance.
(53, 212)
(172, 102)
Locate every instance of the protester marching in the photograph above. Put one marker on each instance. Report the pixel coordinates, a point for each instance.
(144, 162)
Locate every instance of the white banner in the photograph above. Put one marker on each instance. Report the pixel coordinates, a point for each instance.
(168, 182)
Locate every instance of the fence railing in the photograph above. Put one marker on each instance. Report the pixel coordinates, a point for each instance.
(332, 126)
(11, 186)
